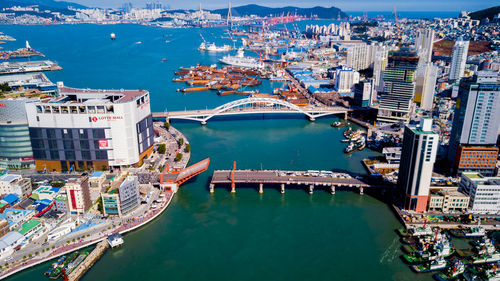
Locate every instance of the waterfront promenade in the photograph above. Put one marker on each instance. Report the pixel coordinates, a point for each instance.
(38, 252)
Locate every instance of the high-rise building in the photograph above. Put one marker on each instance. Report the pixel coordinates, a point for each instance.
(359, 56)
(78, 193)
(424, 44)
(425, 85)
(458, 59)
(417, 162)
(399, 87)
(476, 123)
(91, 129)
(345, 79)
(122, 200)
(363, 93)
(15, 144)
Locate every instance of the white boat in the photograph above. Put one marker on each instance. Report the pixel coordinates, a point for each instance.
(419, 231)
(241, 61)
(113, 36)
(213, 48)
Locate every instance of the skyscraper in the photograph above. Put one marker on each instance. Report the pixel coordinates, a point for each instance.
(425, 85)
(458, 59)
(359, 56)
(399, 87)
(417, 161)
(424, 44)
(475, 124)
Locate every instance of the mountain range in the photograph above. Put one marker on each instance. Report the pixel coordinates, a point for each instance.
(42, 4)
(252, 9)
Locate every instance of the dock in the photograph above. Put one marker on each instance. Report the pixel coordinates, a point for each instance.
(310, 179)
(89, 261)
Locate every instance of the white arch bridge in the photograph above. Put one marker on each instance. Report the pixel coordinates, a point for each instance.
(252, 106)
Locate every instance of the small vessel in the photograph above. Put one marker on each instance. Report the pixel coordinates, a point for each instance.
(468, 232)
(416, 231)
(113, 36)
(339, 124)
(77, 261)
(431, 266)
(350, 148)
(163, 59)
(456, 269)
(213, 48)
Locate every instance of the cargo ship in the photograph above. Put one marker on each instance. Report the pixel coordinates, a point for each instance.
(213, 48)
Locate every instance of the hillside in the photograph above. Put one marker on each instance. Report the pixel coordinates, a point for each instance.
(42, 4)
(486, 13)
(252, 9)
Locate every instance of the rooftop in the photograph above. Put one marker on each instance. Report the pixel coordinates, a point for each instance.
(27, 226)
(9, 178)
(97, 174)
(74, 95)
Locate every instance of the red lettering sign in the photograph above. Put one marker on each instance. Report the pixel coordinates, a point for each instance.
(3, 105)
(103, 144)
(106, 118)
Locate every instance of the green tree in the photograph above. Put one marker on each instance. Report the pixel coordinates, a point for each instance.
(181, 141)
(167, 125)
(162, 148)
(188, 148)
(178, 157)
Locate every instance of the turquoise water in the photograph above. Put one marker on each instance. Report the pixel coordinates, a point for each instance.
(222, 236)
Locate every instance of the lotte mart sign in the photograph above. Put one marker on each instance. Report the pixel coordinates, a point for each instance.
(103, 144)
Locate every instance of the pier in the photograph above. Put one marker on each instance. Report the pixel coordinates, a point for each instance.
(309, 179)
(89, 261)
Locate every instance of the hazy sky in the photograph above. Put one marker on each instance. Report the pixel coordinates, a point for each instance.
(346, 5)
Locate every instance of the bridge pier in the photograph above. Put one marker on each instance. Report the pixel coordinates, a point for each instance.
(211, 188)
(203, 122)
(360, 190)
(261, 188)
(282, 188)
(311, 189)
(312, 119)
(332, 189)
(233, 188)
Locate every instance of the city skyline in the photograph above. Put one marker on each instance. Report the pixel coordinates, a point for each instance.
(345, 5)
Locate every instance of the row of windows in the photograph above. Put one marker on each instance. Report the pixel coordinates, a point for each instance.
(75, 109)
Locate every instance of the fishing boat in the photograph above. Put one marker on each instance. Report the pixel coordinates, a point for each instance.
(431, 266)
(456, 269)
(51, 270)
(338, 124)
(469, 232)
(350, 148)
(416, 231)
(77, 261)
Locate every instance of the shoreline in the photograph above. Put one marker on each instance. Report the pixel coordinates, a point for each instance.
(121, 229)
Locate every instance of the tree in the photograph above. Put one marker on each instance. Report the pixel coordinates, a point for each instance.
(181, 141)
(187, 148)
(167, 125)
(162, 148)
(30, 255)
(178, 157)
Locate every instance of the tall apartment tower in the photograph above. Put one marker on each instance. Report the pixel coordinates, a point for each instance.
(417, 161)
(424, 44)
(425, 85)
(359, 56)
(476, 124)
(399, 87)
(458, 60)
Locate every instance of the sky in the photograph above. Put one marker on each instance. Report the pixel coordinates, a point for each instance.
(345, 5)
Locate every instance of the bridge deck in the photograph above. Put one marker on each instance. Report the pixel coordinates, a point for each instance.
(285, 177)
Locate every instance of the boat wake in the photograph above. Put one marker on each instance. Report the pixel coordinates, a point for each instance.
(391, 252)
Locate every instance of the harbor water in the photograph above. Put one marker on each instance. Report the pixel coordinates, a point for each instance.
(223, 236)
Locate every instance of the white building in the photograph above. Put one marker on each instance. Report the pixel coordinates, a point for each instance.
(359, 56)
(91, 129)
(129, 194)
(345, 79)
(8, 242)
(484, 193)
(425, 85)
(458, 60)
(424, 44)
(15, 184)
(418, 155)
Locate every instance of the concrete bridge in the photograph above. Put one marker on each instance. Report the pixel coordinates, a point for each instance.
(252, 106)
